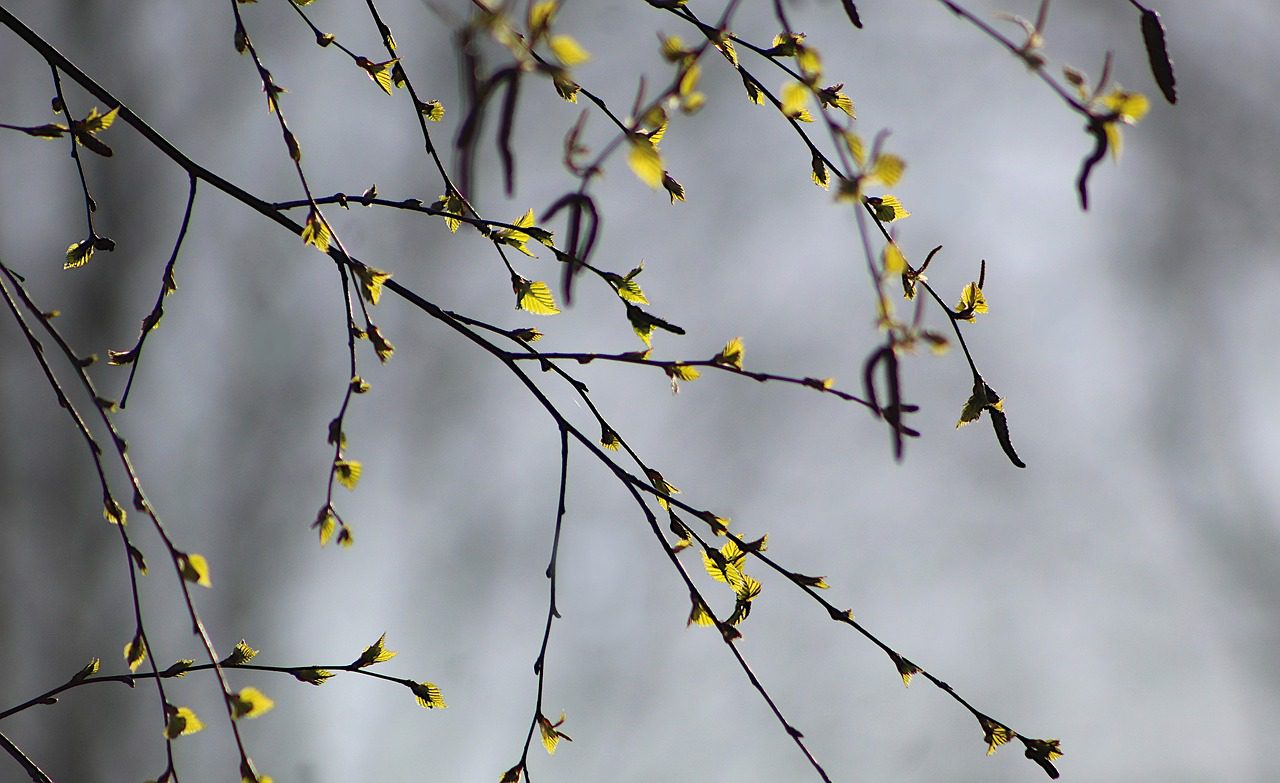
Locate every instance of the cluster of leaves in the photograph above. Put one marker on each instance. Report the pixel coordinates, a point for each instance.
(538, 48)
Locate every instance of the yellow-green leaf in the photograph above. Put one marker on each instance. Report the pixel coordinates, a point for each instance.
(371, 281)
(725, 45)
(182, 721)
(428, 695)
(381, 345)
(241, 654)
(794, 98)
(95, 122)
(1130, 106)
(995, 734)
(888, 169)
(452, 204)
(315, 677)
(551, 734)
(683, 372)
(433, 110)
(645, 161)
(540, 15)
(629, 289)
(906, 668)
(972, 302)
(610, 440)
(700, 615)
(375, 653)
(660, 484)
(894, 262)
(327, 524)
(974, 406)
(731, 354)
(91, 668)
(534, 296)
(250, 703)
(316, 231)
(195, 568)
(888, 208)
(568, 51)
(347, 472)
(78, 254)
(380, 73)
(512, 775)
(346, 539)
(113, 512)
(819, 173)
(135, 652)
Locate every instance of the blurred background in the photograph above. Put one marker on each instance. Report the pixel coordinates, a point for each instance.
(1122, 593)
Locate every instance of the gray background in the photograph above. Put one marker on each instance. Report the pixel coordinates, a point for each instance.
(1121, 593)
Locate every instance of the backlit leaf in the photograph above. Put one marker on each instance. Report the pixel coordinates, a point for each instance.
(645, 161)
(433, 110)
(315, 677)
(182, 721)
(250, 703)
(381, 345)
(113, 512)
(894, 262)
(888, 208)
(91, 668)
(888, 169)
(568, 51)
(135, 652)
(700, 615)
(731, 355)
(316, 231)
(906, 669)
(195, 568)
(994, 733)
(371, 281)
(551, 734)
(241, 654)
(794, 98)
(347, 472)
(374, 653)
(428, 695)
(534, 296)
(78, 254)
(380, 73)
(972, 302)
(452, 204)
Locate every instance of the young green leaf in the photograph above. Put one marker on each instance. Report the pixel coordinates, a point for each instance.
(568, 51)
(347, 472)
(135, 652)
(313, 676)
(242, 654)
(374, 653)
(91, 668)
(381, 345)
(371, 281)
(250, 703)
(182, 721)
(194, 568)
(551, 734)
(316, 231)
(731, 354)
(645, 161)
(380, 73)
(428, 695)
(534, 296)
(794, 98)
